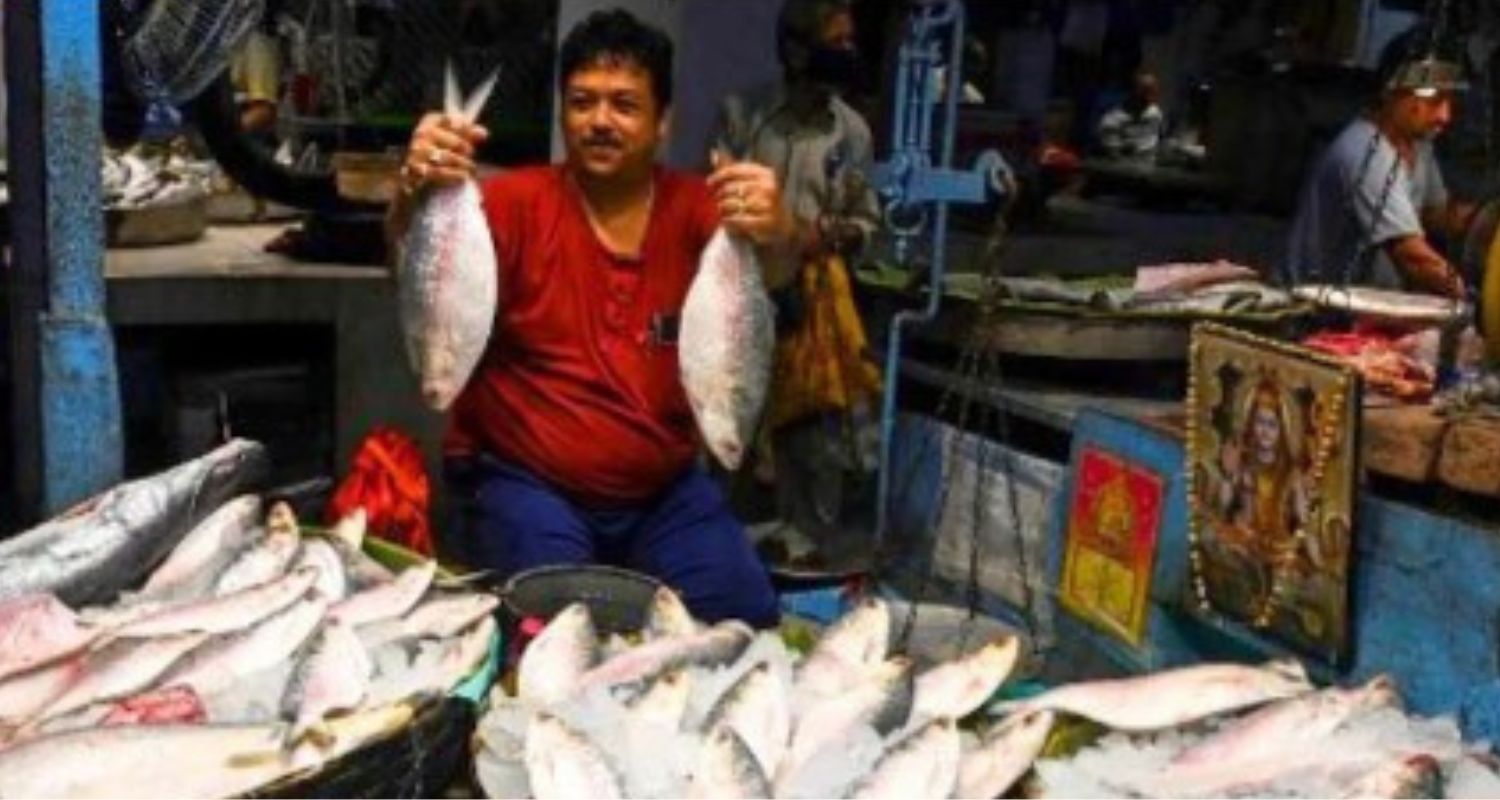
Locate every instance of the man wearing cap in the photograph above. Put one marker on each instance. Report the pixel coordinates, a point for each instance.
(1368, 208)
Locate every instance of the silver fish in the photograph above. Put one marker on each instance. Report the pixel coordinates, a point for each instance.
(112, 542)
(1003, 756)
(1406, 778)
(190, 570)
(437, 618)
(334, 675)
(144, 761)
(37, 629)
(855, 642)
(755, 708)
(727, 769)
(231, 612)
(882, 701)
(558, 658)
(924, 764)
(260, 563)
(333, 580)
(957, 689)
(224, 661)
(664, 702)
(717, 646)
(1307, 719)
(1173, 698)
(387, 600)
(668, 617)
(122, 668)
(23, 696)
(725, 345)
(348, 539)
(563, 764)
(448, 276)
(428, 668)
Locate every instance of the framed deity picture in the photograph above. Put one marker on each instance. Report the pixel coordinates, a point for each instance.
(1272, 483)
(1113, 523)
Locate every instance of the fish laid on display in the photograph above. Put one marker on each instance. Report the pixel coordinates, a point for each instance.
(436, 618)
(38, 629)
(718, 645)
(856, 642)
(925, 764)
(668, 616)
(219, 664)
(191, 569)
(1307, 719)
(558, 658)
(347, 538)
(562, 763)
(448, 275)
(262, 562)
(231, 612)
(958, 688)
(24, 695)
(1406, 778)
(728, 769)
(725, 345)
(882, 702)
(1175, 697)
(122, 668)
(112, 542)
(333, 580)
(333, 676)
(1003, 756)
(387, 600)
(756, 709)
(185, 761)
(664, 702)
(404, 670)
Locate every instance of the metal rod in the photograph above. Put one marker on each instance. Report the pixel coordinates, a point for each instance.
(936, 275)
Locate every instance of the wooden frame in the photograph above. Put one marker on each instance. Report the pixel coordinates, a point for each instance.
(1272, 483)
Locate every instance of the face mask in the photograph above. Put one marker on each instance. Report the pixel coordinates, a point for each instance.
(835, 67)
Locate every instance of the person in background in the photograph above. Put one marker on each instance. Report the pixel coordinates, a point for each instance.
(819, 148)
(573, 442)
(256, 74)
(1134, 130)
(1376, 195)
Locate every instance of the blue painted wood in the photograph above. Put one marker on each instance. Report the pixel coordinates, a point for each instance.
(1426, 592)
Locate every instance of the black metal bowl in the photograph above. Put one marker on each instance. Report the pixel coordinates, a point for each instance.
(617, 599)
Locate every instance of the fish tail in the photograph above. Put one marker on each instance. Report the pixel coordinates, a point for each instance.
(453, 101)
(473, 106)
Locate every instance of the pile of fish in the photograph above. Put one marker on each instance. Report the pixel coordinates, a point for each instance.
(721, 711)
(245, 651)
(1222, 730)
(136, 178)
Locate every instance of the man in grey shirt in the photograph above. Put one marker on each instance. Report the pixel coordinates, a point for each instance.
(825, 381)
(1377, 191)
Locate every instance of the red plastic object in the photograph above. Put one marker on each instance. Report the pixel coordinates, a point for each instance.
(389, 480)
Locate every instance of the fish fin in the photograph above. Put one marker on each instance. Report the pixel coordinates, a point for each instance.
(350, 529)
(453, 101)
(463, 581)
(476, 101)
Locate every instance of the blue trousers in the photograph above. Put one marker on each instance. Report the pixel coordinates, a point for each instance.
(687, 537)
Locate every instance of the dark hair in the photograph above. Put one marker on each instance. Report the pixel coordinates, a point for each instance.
(614, 36)
(800, 24)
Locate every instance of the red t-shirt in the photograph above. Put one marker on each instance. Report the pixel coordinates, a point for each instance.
(573, 386)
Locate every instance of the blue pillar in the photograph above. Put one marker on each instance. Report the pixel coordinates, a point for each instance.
(66, 414)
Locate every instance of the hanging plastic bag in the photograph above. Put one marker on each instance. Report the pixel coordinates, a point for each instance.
(389, 480)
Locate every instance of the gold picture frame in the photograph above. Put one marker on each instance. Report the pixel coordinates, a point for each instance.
(1272, 479)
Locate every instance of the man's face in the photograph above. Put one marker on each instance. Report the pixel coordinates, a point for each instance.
(838, 31)
(1422, 116)
(612, 120)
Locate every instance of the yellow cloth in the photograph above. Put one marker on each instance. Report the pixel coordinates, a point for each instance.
(256, 69)
(824, 364)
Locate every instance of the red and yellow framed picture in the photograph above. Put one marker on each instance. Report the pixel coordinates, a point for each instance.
(1114, 520)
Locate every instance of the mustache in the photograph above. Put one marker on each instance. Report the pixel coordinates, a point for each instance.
(603, 140)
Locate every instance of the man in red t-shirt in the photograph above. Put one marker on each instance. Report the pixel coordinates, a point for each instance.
(574, 441)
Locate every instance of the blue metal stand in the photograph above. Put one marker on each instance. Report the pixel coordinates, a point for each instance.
(66, 410)
(911, 185)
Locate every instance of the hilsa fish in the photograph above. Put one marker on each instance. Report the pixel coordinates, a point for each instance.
(725, 346)
(447, 274)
